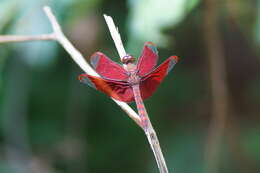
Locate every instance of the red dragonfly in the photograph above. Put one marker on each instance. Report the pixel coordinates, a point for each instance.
(131, 82)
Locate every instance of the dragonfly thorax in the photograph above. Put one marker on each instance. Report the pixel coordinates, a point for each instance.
(133, 78)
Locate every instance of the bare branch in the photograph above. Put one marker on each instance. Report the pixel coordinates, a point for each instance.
(23, 38)
(61, 38)
(55, 25)
(116, 36)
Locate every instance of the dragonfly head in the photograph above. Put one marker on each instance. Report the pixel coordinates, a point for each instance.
(128, 59)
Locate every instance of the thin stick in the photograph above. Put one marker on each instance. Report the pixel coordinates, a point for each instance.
(23, 38)
(156, 148)
(61, 38)
(149, 130)
(116, 36)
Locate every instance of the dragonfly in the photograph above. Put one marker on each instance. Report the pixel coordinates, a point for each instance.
(132, 81)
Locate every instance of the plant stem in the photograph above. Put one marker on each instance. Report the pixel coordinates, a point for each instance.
(23, 38)
(155, 145)
(115, 36)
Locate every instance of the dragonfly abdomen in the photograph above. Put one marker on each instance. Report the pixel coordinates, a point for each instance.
(140, 105)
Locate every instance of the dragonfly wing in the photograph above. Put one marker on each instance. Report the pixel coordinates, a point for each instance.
(148, 59)
(151, 81)
(107, 68)
(119, 90)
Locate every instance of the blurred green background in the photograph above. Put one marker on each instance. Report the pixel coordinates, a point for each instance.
(50, 122)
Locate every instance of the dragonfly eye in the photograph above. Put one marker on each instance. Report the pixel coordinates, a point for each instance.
(128, 59)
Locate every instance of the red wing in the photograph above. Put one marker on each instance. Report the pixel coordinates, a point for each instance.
(152, 80)
(107, 68)
(119, 90)
(148, 59)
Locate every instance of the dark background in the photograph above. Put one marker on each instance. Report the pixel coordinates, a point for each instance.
(206, 112)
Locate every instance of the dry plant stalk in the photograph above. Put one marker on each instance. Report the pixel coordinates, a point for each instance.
(58, 36)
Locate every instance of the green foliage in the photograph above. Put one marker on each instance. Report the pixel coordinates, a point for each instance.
(251, 141)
